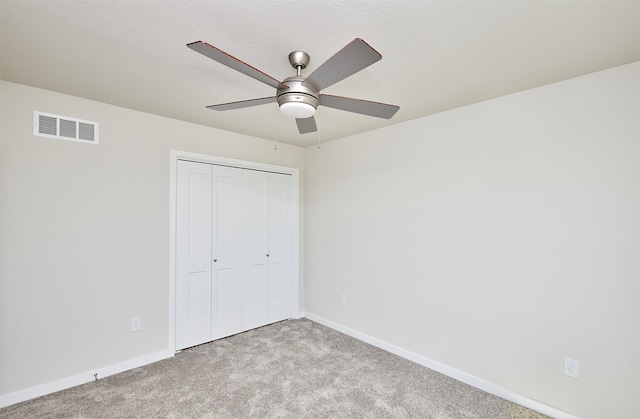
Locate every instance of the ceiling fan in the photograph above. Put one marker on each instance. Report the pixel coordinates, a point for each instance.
(299, 96)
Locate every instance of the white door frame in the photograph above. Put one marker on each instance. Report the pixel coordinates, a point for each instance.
(176, 155)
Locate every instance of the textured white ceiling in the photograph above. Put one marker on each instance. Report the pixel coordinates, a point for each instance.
(437, 55)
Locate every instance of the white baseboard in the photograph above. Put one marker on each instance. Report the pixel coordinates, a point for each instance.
(446, 370)
(65, 383)
(491, 388)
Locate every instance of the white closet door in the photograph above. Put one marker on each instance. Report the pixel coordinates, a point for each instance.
(233, 251)
(256, 249)
(227, 251)
(279, 247)
(193, 254)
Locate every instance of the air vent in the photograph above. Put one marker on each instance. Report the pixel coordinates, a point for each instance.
(64, 128)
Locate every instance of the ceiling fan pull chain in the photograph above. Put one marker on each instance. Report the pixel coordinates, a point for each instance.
(318, 136)
(275, 147)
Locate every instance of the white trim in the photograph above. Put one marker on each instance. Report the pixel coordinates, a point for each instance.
(446, 370)
(174, 156)
(295, 244)
(86, 377)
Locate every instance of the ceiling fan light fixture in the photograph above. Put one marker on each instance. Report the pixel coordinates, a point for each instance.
(296, 100)
(297, 109)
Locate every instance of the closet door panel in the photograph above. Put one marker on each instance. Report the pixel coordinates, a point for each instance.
(193, 250)
(227, 251)
(256, 254)
(258, 290)
(279, 246)
(198, 290)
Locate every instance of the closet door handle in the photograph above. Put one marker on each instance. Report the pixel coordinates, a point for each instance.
(215, 260)
(267, 254)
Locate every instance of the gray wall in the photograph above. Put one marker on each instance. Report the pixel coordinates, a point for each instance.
(85, 234)
(495, 239)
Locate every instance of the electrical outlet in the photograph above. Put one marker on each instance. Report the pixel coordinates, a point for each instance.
(136, 324)
(343, 299)
(571, 367)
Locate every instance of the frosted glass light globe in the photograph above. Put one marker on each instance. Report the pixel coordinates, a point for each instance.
(297, 109)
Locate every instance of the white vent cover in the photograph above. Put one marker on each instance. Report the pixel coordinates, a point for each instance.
(64, 128)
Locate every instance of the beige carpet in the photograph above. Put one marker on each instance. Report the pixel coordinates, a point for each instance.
(292, 369)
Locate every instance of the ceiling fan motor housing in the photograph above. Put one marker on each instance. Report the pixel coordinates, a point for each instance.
(295, 92)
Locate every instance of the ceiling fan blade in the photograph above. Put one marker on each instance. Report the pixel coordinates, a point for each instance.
(364, 107)
(242, 104)
(306, 125)
(234, 63)
(355, 56)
